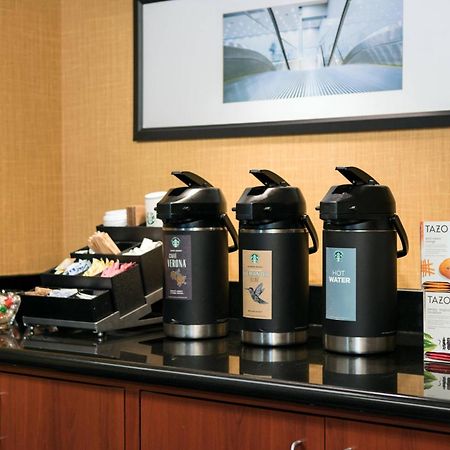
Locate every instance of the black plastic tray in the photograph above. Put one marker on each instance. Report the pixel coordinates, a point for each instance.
(150, 264)
(71, 308)
(126, 287)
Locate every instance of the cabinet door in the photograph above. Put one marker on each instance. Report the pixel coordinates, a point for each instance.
(42, 414)
(170, 422)
(347, 434)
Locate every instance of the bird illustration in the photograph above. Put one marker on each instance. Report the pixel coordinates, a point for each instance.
(256, 293)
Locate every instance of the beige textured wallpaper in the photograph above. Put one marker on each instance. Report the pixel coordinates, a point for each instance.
(104, 169)
(31, 230)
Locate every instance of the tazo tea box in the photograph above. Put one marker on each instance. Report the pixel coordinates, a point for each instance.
(435, 255)
(435, 270)
(436, 326)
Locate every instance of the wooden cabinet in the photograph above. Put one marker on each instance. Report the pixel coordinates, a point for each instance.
(45, 414)
(50, 410)
(171, 422)
(349, 434)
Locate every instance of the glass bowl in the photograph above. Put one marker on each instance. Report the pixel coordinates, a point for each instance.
(9, 305)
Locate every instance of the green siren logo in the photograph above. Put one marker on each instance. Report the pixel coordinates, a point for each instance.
(254, 258)
(175, 241)
(338, 256)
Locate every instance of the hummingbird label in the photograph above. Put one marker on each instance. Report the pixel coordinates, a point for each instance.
(257, 284)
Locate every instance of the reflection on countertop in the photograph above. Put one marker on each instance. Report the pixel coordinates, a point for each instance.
(389, 384)
(399, 372)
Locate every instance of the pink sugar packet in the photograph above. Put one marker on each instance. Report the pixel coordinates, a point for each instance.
(116, 268)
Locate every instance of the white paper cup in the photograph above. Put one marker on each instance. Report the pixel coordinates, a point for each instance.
(151, 201)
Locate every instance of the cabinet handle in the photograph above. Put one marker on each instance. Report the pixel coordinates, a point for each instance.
(2, 393)
(296, 444)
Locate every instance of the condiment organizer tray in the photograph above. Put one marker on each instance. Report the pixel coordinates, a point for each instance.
(126, 287)
(141, 316)
(150, 264)
(71, 308)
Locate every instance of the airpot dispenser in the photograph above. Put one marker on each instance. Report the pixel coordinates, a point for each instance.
(360, 264)
(195, 237)
(273, 261)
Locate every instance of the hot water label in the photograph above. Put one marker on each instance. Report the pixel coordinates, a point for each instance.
(340, 280)
(178, 267)
(257, 284)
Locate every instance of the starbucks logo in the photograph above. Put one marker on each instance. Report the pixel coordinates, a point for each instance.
(254, 258)
(175, 241)
(338, 256)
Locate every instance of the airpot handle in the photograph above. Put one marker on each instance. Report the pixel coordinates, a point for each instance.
(191, 179)
(230, 228)
(268, 178)
(312, 231)
(356, 176)
(402, 235)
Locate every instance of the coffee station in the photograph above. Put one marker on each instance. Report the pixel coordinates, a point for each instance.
(176, 326)
(225, 225)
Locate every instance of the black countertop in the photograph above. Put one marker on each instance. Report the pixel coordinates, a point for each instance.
(392, 384)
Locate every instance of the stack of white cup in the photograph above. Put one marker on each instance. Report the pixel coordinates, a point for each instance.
(151, 201)
(115, 218)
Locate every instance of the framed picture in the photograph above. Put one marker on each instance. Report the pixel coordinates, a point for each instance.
(214, 68)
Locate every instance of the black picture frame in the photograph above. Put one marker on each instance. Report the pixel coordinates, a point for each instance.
(427, 119)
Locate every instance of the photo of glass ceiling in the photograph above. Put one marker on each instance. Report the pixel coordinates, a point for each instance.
(330, 47)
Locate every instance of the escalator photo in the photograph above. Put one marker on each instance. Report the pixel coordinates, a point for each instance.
(306, 49)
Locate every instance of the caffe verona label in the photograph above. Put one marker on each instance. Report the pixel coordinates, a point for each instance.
(178, 267)
(257, 284)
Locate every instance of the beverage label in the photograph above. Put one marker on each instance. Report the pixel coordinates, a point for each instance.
(178, 267)
(340, 279)
(436, 329)
(257, 284)
(435, 255)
